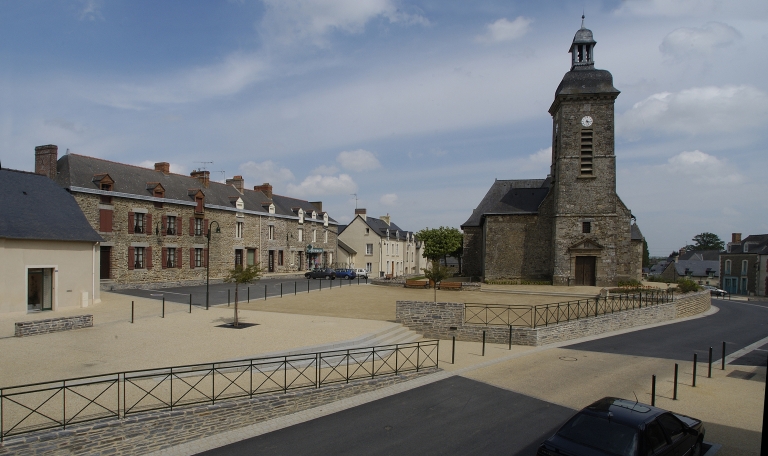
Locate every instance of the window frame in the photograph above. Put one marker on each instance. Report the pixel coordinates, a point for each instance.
(170, 258)
(198, 257)
(170, 225)
(139, 223)
(139, 258)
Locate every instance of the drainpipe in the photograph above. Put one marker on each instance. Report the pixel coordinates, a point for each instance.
(93, 272)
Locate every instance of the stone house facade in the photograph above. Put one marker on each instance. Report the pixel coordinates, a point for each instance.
(743, 265)
(164, 228)
(380, 246)
(570, 228)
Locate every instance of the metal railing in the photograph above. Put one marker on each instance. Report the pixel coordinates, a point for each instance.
(549, 314)
(63, 403)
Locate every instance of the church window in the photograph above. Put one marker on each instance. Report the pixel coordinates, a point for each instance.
(586, 153)
(586, 227)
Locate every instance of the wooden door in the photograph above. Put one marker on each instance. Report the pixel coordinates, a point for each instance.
(105, 268)
(271, 262)
(585, 270)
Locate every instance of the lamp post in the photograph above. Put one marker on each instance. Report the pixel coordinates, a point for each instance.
(207, 260)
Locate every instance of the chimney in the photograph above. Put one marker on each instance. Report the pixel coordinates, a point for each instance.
(163, 167)
(360, 212)
(318, 205)
(203, 176)
(385, 218)
(264, 188)
(238, 182)
(45, 160)
(735, 237)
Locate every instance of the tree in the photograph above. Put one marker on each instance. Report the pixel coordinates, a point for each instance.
(708, 241)
(240, 275)
(441, 242)
(436, 273)
(646, 255)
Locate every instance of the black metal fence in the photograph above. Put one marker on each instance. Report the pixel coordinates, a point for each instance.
(549, 314)
(58, 404)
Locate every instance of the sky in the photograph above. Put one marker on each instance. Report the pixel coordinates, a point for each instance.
(404, 107)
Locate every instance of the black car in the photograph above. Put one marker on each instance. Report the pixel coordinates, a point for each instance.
(613, 426)
(321, 273)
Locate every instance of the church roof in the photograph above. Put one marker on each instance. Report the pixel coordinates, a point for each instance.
(510, 197)
(635, 233)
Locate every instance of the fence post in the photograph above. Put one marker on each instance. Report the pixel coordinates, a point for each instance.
(695, 358)
(453, 353)
(190, 303)
(722, 361)
(653, 390)
(674, 391)
(483, 342)
(510, 337)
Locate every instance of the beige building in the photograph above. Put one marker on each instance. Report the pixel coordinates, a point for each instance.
(379, 246)
(49, 251)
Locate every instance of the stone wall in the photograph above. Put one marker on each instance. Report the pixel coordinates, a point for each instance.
(443, 320)
(146, 433)
(517, 247)
(36, 327)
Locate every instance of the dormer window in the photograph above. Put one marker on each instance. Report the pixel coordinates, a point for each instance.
(325, 219)
(314, 215)
(104, 183)
(271, 208)
(199, 198)
(387, 233)
(301, 215)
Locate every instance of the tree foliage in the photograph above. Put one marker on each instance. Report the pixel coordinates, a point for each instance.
(708, 241)
(441, 242)
(646, 255)
(436, 273)
(240, 275)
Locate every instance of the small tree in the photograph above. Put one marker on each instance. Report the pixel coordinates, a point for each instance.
(708, 241)
(646, 255)
(240, 275)
(436, 273)
(441, 242)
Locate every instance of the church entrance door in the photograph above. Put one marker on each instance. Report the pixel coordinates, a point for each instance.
(585, 270)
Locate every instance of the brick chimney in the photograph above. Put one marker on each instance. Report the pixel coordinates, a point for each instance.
(203, 176)
(238, 182)
(385, 219)
(264, 188)
(163, 167)
(45, 160)
(735, 237)
(318, 205)
(360, 212)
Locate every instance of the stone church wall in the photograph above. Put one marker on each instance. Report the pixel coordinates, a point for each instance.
(472, 259)
(517, 247)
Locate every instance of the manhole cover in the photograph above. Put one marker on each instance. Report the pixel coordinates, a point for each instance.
(567, 358)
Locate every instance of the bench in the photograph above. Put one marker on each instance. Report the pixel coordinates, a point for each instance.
(416, 284)
(450, 286)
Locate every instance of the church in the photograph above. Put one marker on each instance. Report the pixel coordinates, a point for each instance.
(570, 228)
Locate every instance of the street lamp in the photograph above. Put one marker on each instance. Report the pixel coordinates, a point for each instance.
(207, 260)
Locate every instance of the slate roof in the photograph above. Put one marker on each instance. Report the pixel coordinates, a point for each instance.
(698, 268)
(346, 247)
(700, 255)
(757, 243)
(510, 197)
(659, 267)
(380, 227)
(33, 207)
(78, 171)
(635, 233)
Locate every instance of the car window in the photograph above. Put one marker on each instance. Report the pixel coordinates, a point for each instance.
(654, 437)
(671, 425)
(601, 433)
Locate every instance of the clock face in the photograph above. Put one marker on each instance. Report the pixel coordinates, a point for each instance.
(586, 121)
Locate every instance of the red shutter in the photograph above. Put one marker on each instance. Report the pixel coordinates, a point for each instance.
(165, 225)
(148, 225)
(205, 258)
(163, 259)
(192, 258)
(130, 258)
(191, 226)
(148, 254)
(178, 226)
(130, 223)
(205, 227)
(179, 259)
(105, 220)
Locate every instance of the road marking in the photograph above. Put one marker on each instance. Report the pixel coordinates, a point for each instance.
(739, 353)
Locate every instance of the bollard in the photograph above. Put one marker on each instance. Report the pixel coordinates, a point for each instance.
(763, 439)
(131, 311)
(453, 351)
(265, 292)
(653, 390)
(294, 288)
(695, 358)
(163, 314)
(228, 299)
(307, 286)
(190, 303)
(722, 361)
(248, 289)
(709, 370)
(281, 289)
(483, 342)
(510, 337)
(674, 391)
(321, 284)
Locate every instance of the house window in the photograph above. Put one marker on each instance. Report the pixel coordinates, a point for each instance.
(744, 267)
(271, 232)
(170, 259)
(238, 257)
(239, 230)
(367, 231)
(198, 258)
(314, 235)
(171, 225)
(138, 262)
(586, 227)
(369, 267)
(369, 250)
(325, 237)
(301, 235)
(727, 266)
(198, 227)
(251, 257)
(138, 223)
(586, 153)
(279, 257)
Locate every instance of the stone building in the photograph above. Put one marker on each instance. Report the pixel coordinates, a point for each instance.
(155, 223)
(380, 246)
(743, 265)
(570, 228)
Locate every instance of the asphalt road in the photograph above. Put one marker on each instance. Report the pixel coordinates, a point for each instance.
(738, 323)
(452, 416)
(220, 293)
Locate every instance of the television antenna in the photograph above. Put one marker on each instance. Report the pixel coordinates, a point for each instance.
(204, 165)
(355, 195)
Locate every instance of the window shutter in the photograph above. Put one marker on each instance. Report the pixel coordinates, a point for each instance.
(148, 255)
(192, 258)
(178, 226)
(179, 258)
(148, 225)
(205, 258)
(130, 223)
(191, 226)
(105, 220)
(164, 227)
(164, 258)
(131, 258)
(205, 227)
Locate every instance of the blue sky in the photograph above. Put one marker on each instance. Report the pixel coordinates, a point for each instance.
(415, 106)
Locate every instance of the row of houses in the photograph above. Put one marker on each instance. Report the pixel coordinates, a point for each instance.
(142, 227)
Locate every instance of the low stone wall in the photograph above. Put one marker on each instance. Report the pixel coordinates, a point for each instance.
(35, 327)
(443, 320)
(154, 431)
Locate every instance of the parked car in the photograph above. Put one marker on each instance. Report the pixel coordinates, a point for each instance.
(361, 272)
(321, 273)
(613, 426)
(346, 274)
(714, 290)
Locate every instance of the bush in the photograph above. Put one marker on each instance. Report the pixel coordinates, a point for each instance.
(687, 286)
(632, 284)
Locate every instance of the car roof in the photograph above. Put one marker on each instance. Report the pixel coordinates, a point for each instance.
(624, 411)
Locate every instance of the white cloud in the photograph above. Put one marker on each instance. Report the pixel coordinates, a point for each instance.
(678, 8)
(358, 160)
(698, 110)
(390, 199)
(705, 40)
(325, 170)
(504, 30)
(175, 167)
(316, 185)
(267, 171)
(703, 167)
(91, 10)
(312, 20)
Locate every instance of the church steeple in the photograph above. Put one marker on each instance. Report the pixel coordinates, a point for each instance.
(582, 49)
